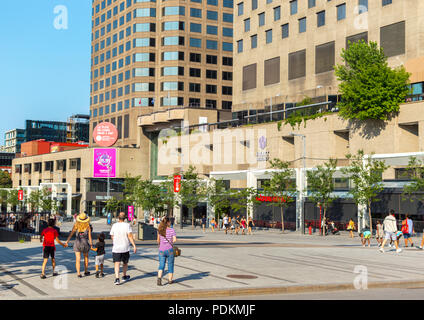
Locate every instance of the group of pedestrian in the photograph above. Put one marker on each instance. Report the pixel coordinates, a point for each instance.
(236, 224)
(122, 236)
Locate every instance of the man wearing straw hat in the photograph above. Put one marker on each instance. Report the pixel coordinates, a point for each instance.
(121, 234)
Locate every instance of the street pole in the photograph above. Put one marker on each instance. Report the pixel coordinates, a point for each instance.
(302, 215)
(181, 171)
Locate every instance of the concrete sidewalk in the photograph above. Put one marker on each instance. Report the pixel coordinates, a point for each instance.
(214, 265)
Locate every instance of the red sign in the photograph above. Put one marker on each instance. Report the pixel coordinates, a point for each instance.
(21, 195)
(177, 183)
(105, 134)
(270, 199)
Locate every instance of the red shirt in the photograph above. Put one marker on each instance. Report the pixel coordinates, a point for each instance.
(49, 234)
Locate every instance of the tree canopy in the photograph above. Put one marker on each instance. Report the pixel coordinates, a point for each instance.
(370, 89)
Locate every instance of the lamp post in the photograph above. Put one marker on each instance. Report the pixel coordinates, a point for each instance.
(302, 215)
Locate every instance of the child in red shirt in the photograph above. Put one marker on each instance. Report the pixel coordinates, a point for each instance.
(49, 235)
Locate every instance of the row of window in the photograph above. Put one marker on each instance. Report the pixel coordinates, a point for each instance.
(122, 124)
(164, 101)
(165, 86)
(121, 7)
(362, 5)
(151, 57)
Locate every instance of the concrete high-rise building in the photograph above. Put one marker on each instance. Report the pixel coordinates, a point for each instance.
(150, 56)
(286, 50)
(13, 140)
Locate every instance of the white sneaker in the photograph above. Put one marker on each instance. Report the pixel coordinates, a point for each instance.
(399, 250)
(369, 246)
(390, 246)
(420, 247)
(363, 245)
(381, 250)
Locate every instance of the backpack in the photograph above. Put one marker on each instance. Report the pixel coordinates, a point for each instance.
(405, 228)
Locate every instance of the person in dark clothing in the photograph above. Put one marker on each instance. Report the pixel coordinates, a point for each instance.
(100, 258)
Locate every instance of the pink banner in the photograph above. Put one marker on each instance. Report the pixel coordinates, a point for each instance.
(104, 163)
(130, 213)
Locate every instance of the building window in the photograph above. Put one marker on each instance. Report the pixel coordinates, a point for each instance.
(254, 41)
(341, 12)
(320, 19)
(247, 25)
(277, 13)
(196, 13)
(195, 42)
(194, 87)
(211, 59)
(240, 9)
(211, 74)
(254, 4)
(212, 15)
(386, 2)
(212, 30)
(195, 57)
(302, 25)
(285, 31)
(268, 36)
(194, 72)
(240, 46)
(196, 27)
(293, 7)
(211, 88)
(261, 18)
(363, 6)
(212, 44)
(311, 3)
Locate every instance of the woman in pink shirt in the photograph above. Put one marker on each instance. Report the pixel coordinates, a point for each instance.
(166, 239)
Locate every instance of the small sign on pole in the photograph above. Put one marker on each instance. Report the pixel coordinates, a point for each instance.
(177, 183)
(130, 213)
(21, 195)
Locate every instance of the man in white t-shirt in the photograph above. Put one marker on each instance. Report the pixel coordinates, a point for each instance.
(121, 234)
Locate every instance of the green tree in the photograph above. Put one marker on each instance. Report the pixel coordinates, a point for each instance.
(47, 204)
(167, 196)
(366, 175)
(34, 200)
(193, 190)
(219, 197)
(113, 205)
(281, 185)
(414, 189)
(12, 198)
(243, 199)
(3, 196)
(370, 89)
(148, 196)
(321, 185)
(5, 180)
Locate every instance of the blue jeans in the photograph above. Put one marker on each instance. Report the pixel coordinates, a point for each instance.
(163, 255)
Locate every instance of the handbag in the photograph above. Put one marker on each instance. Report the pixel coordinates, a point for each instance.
(177, 251)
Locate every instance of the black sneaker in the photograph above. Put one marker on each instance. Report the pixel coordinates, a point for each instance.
(116, 281)
(125, 278)
(43, 276)
(87, 273)
(79, 276)
(103, 275)
(55, 274)
(97, 275)
(159, 282)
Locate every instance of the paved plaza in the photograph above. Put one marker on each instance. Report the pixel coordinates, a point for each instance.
(217, 265)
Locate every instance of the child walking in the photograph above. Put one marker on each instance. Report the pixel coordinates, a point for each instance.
(48, 236)
(100, 257)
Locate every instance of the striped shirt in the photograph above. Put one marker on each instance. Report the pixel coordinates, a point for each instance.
(165, 245)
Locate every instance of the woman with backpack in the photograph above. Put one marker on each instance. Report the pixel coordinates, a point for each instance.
(83, 242)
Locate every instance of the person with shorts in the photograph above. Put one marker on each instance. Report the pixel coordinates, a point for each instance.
(204, 224)
(250, 225)
(233, 224)
(166, 239)
(379, 233)
(365, 236)
(83, 242)
(100, 257)
(121, 234)
(48, 236)
(225, 222)
(390, 229)
(407, 230)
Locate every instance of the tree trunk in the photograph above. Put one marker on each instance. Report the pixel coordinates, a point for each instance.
(282, 219)
(192, 218)
(323, 222)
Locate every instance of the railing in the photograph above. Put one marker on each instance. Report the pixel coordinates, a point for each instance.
(24, 222)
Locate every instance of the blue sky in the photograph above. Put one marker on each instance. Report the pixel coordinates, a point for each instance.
(44, 72)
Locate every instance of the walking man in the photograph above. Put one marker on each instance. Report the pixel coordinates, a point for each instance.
(121, 234)
(225, 223)
(390, 229)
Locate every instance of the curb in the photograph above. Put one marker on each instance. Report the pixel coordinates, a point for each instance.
(255, 291)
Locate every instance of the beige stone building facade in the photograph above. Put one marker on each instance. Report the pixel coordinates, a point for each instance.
(286, 50)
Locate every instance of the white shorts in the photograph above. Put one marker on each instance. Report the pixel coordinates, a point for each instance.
(100, 260)
(390, 236)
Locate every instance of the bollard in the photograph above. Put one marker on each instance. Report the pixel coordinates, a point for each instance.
(310, 230)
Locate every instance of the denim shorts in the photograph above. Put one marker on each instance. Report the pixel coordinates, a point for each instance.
(406, 235)
(166, 255)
